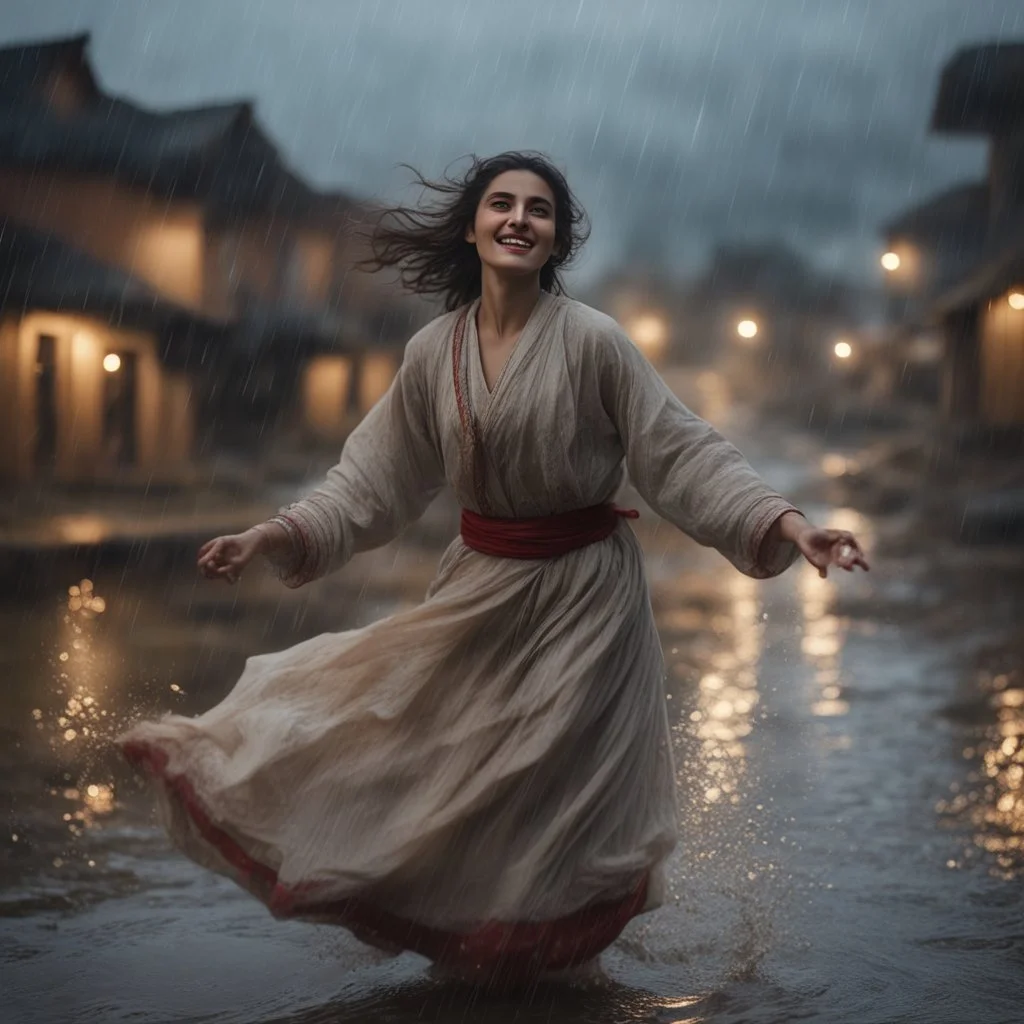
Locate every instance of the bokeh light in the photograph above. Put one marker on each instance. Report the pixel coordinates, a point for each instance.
(649, 332)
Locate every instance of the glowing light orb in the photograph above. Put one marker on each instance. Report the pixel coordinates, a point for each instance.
(1016, 300)
(891, 261)
(843, 350)
(746, 329)
(649, 333)
(111, 362)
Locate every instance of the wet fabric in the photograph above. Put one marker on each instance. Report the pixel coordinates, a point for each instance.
(500, 753)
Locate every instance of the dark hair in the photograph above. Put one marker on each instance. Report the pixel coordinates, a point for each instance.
(429, 246)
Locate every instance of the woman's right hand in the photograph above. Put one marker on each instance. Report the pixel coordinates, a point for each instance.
(226, 557)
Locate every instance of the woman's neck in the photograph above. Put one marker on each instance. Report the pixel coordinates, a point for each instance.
(505, 305)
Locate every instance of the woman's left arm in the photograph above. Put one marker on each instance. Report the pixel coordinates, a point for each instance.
(821, 547)
(689, 474)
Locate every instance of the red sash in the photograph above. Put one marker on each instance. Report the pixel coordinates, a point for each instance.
(542, 536)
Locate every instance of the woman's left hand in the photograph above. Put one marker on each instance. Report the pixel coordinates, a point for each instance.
(824, 548)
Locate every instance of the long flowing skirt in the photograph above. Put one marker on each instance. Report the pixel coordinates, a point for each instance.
(484, 779)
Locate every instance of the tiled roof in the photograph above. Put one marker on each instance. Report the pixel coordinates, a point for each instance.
(999, 268)
(981, 90)
(216, 154)
(961, 208)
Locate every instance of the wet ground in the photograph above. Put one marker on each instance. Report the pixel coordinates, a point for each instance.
(851, 792)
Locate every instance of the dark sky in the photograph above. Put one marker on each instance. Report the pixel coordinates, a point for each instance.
(678, 121)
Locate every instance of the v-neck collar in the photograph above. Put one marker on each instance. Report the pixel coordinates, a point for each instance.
(482, 396)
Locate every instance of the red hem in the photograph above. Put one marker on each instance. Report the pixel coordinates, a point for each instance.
(510, 948)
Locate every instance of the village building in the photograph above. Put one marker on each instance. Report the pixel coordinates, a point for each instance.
(791, 315)
(167, 284)
(955, 264)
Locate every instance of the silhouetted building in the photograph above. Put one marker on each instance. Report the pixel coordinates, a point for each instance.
(165, 268)
(957, 262)
(763, 306)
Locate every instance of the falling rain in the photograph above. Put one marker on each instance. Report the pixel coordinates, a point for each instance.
(807, 215)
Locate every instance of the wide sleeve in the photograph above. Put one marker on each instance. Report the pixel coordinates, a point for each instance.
(683, 468)
(389, 472)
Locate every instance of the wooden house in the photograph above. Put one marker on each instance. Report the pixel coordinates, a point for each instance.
(167, 284)
(956, 262)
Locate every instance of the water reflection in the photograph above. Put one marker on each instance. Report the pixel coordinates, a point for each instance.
(387, 995)
(991, 801)
(727, 693)
(824, 632)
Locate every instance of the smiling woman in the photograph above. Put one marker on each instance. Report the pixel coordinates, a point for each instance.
(435, 246)
(485, 778)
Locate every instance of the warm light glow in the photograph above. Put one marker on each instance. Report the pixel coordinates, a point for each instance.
(843, 350)
(167, 252)
(378, 373)
(1016, 300)
(325, 389)
(80, 528)
(111, 362)
(833, 464)
(649, 333)
(746, 328)
(824, 630)
(891, 261)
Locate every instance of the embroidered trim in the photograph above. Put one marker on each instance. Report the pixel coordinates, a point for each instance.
(305, 563)
(471, 452)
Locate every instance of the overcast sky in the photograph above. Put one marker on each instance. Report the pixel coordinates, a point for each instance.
(679, 122)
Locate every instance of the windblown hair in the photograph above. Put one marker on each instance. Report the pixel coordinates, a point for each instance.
(428, 245)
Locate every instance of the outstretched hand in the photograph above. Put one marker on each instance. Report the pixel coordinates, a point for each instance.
(825, 548)
(225, 557)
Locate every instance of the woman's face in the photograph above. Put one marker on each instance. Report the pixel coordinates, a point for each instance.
(514, 227)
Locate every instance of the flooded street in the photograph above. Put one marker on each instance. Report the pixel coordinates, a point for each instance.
(850, 778)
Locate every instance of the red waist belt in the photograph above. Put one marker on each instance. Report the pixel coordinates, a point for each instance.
(541, 536)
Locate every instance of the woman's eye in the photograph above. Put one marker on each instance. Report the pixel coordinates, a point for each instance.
(500, 204)
(541, 211)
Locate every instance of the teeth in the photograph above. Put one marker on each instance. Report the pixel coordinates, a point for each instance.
(518, 243)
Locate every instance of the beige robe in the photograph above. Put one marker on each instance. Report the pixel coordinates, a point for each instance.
(501, 751)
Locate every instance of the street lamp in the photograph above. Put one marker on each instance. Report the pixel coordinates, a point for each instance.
(111, 362)
(747, 329)
(891, 261)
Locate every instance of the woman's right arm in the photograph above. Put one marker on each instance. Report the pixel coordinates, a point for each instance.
(389, 471)
(226, 557)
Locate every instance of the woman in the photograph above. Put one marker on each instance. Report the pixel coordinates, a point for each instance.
(487, 778)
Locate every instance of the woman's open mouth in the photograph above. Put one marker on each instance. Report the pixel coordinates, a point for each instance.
(513, 243)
